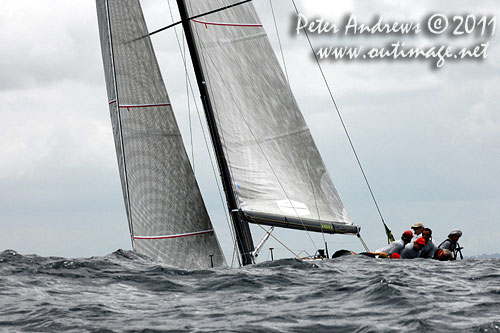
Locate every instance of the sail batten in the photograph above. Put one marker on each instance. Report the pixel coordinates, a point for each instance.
(274, 164)
(143, 105)
(196, 233)
(227, 24)
(168, 219)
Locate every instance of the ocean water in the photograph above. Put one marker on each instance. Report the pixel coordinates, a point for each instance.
(125, 292)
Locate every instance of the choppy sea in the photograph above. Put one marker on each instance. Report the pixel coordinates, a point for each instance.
(125, 292)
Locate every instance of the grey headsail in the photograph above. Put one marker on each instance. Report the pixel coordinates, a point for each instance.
(278, 175)
(167, 217)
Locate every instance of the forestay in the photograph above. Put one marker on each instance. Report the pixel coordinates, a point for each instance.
(167, 217)
(277, 172)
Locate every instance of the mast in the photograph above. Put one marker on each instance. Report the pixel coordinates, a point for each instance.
(242, 230)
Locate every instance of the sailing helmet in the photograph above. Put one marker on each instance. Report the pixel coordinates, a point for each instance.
(455, 232)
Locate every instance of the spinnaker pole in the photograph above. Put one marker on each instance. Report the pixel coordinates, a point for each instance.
(242, 230)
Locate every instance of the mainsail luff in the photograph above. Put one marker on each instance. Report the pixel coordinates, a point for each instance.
(168, 218)
(275, 167)
(242, 230)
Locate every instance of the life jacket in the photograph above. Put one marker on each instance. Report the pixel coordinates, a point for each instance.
(452, 245)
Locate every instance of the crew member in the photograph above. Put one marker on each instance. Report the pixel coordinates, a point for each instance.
(399, 245)
(412, 250)
(417, 229)
(429, 248)
(443, 255)
(451, 243)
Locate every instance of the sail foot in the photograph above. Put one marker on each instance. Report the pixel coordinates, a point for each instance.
(329, 227)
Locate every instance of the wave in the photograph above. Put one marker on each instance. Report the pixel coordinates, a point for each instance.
(124, 291)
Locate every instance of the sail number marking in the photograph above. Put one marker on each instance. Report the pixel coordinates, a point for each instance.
(327, 226)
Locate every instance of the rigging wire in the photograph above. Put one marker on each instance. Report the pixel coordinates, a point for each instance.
(196, 16)
(221, 133)
(286, 247)
(362, 242)
(204, 59)
(390, 237)
(267, 160)
(231, 230)
(188, 101)
(232, 227)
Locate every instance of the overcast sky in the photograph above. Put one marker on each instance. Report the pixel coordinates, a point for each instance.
(429, 139)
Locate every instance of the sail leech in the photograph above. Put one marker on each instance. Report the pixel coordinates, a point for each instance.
(165, 201)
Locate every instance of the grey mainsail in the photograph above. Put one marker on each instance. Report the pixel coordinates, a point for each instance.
(167, 217)
(277, 173)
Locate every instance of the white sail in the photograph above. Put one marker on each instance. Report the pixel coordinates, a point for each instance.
(275, 167)
(167, 217)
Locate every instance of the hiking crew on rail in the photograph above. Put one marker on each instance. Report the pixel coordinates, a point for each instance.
(419, 244)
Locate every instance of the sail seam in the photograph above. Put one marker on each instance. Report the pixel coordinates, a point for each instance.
(142, 105)
(207, 23)
(233, 40)
(291, 97)
(238, 108)
(176, 235)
